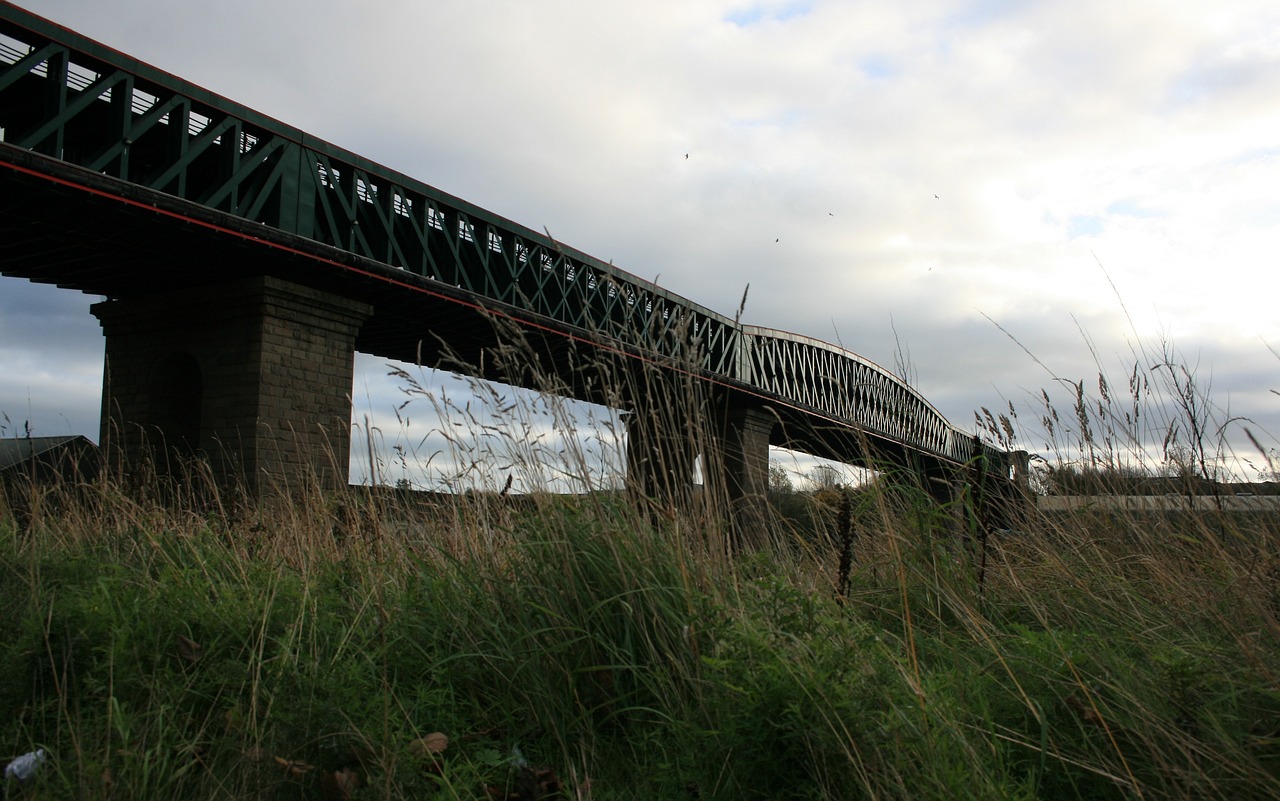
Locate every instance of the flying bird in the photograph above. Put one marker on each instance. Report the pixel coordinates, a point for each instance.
(935, 197)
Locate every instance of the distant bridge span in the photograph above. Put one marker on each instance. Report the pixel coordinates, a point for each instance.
(193, 213)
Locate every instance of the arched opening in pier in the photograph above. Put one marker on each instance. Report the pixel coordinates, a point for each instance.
(177, 399)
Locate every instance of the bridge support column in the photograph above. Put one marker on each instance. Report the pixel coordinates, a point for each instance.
(1001, 483)
(660, 457)
(940, 483)
(255, 376)
(743, 467)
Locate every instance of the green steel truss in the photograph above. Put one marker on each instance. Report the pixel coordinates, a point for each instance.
(844, 386)
(71, 98)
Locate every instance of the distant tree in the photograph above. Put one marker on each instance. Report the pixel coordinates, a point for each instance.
(779, 481)
(794, 509)
(825, 477)
(1179, 461)
(1268, 471)
(1115, 479)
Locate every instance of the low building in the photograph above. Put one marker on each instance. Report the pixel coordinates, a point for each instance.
(49, 460)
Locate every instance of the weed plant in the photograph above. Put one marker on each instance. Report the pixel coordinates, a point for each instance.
(375, 643)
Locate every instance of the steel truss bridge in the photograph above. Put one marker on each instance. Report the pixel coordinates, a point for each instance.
(118, 178)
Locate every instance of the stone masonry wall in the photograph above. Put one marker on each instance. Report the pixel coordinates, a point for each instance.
(275, 366)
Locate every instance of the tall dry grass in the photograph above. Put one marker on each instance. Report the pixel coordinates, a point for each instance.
(377, 642)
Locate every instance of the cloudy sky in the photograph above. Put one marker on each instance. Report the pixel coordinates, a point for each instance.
(993, 197)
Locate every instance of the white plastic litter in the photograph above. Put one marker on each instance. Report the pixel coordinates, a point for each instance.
(23, 769)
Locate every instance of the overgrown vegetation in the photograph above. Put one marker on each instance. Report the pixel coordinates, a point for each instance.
(381, 644)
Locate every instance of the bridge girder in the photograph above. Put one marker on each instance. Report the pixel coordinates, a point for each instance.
(119, 179)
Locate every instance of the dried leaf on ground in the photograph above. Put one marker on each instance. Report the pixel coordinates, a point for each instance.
(293, 767)
(340, 785)
(434, 743)
(189, 650)
(428, 749)
(1086, 712)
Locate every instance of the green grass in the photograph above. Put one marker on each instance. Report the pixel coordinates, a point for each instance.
(165, 653)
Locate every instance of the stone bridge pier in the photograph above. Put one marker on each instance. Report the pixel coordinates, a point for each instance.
(665, 438)
(255, 376)
(738, 467)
